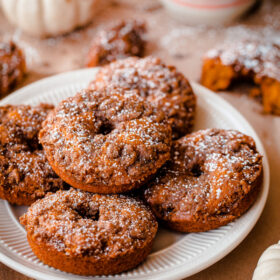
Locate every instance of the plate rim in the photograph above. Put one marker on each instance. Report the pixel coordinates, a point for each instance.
(180, 272)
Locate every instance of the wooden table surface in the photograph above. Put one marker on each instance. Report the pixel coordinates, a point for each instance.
(182, 46)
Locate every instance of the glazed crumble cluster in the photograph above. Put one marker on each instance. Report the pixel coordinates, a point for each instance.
(125, 148)
(259, 62)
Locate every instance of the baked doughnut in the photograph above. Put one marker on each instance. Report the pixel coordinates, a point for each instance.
(162, 85)
(90, 234)
(119, 41)
(12, 66)
(25, 174)
(213, 177)
(259, 62)
(106, 141)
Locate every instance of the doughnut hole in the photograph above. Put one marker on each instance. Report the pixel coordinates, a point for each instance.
(196, 170)
(105, 128)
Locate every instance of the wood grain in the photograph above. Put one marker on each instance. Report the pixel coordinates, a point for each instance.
(8, 274)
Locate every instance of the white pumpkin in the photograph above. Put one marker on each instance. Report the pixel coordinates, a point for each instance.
(268, 267)
(49, 17)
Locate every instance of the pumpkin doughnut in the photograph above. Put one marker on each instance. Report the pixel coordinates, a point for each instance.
(253, 60)
(90, 234)
(213, 177)
(106, 141)
(25, 174)
(12, 66)
(162, 85)
(121, 40)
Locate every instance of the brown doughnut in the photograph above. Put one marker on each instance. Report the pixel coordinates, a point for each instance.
(256, 61)
(90, 234)
(162, 85)
(12, 66)
(213, 178)
(106, 141)
(25, 174)
(121, 40)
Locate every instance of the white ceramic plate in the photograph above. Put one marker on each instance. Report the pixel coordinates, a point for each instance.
(174, 255)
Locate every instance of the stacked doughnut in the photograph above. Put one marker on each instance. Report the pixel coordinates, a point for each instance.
(125, 156)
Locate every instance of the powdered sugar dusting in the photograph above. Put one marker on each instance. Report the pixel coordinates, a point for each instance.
(261, 58)
(209, 168)
(162, 85)
(83, 224)
(25, 172)
(121, 40)
(107, 138)
(12, 66)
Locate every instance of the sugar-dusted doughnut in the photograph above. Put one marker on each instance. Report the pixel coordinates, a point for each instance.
(213, 177)
(25, 174)
(162, 85)
(106, 141)
(121, 40)
(12, 66)
(90, 234)
(256, 61)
